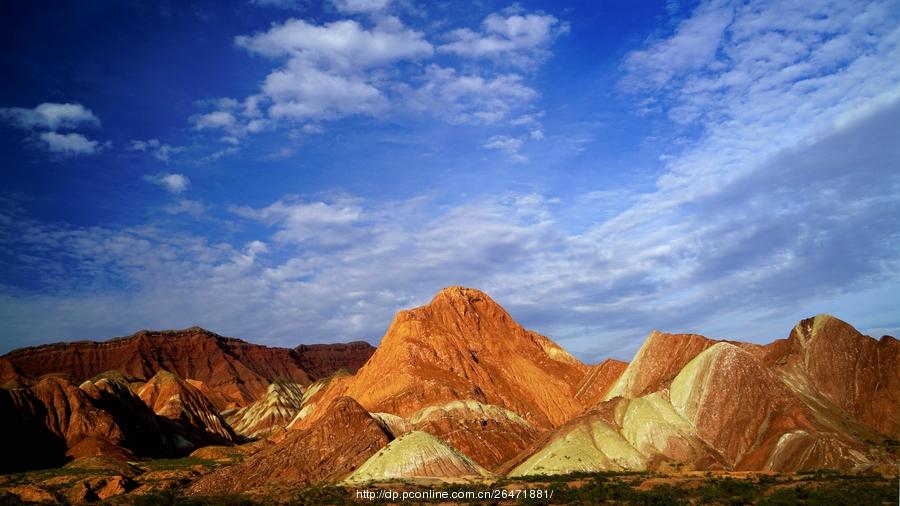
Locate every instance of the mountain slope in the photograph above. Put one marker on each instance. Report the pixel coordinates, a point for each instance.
(329, 450)
(461, 346)
(417, 455)
(171, 397)
(272, 411)
(46, 424)
(729, 405)
(237, 370)
(827, 359)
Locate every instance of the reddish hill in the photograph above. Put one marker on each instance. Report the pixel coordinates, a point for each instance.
(321, 360)
(53, 421)
(828, 359)
(237, 371)
(463, 345)
(658, 361)
(171, 397)
(598, 381)
(797, 404)
(329, 450)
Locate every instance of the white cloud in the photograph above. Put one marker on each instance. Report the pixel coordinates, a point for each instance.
(173, 183)
(360, 6)
(299, 221)
(301, 91)
(161, 151)
(69, 144)
(215, 120)
(190, 207)
(692, 48)
(342, 44)
(49, 116)
(468, 98)
(516, 38)
(508, 145)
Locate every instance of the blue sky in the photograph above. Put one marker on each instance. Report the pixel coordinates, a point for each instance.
(297, 171)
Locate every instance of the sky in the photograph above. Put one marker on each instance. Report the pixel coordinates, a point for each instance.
(296, 171)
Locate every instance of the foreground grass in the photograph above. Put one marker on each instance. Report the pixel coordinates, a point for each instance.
(826, 488)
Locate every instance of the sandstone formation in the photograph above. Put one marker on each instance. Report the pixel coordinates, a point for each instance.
(489, 435)
(171, 397)
(272, 411)
(329, 450)
(598, 381)
(54, 421)
(237, 370)
(725, 408)
(657, 362)
(417, 455)
(321, 360)
(827, 359)
(463, 345)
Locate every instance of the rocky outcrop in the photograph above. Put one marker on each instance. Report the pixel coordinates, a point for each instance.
(598, 381)
(329, 450)
(724, 409)
(273, 411)
(463, 345)
(239, 372)
(417, 455)
(489, 434)
(829, 360)
(321, 360)
(657, 362)
(54, 421)
(175, 399)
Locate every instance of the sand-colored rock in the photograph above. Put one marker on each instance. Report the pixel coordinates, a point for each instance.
(417, 454)
(586, 444)
(329, 450)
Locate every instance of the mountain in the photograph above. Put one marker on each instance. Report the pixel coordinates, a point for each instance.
(599, 379)
(236, 371)
(803, 403)
(171, 397)
(489, 434)
(329, 450)
(280, 404)
(826, 359)
(461, 346)
(54, 421)
(417, 455)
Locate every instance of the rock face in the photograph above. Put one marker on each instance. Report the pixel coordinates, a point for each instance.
(598, 381)
(490, 435)
(274, 410)
(321, 360)
(239, 371)
(417, 455)
(659, 359)
(54, 421)
(717, 404)
(829, 360)
(463, 345)
(329, 450)
(171, 397)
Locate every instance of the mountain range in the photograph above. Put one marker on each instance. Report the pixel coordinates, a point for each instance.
(455, 390)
